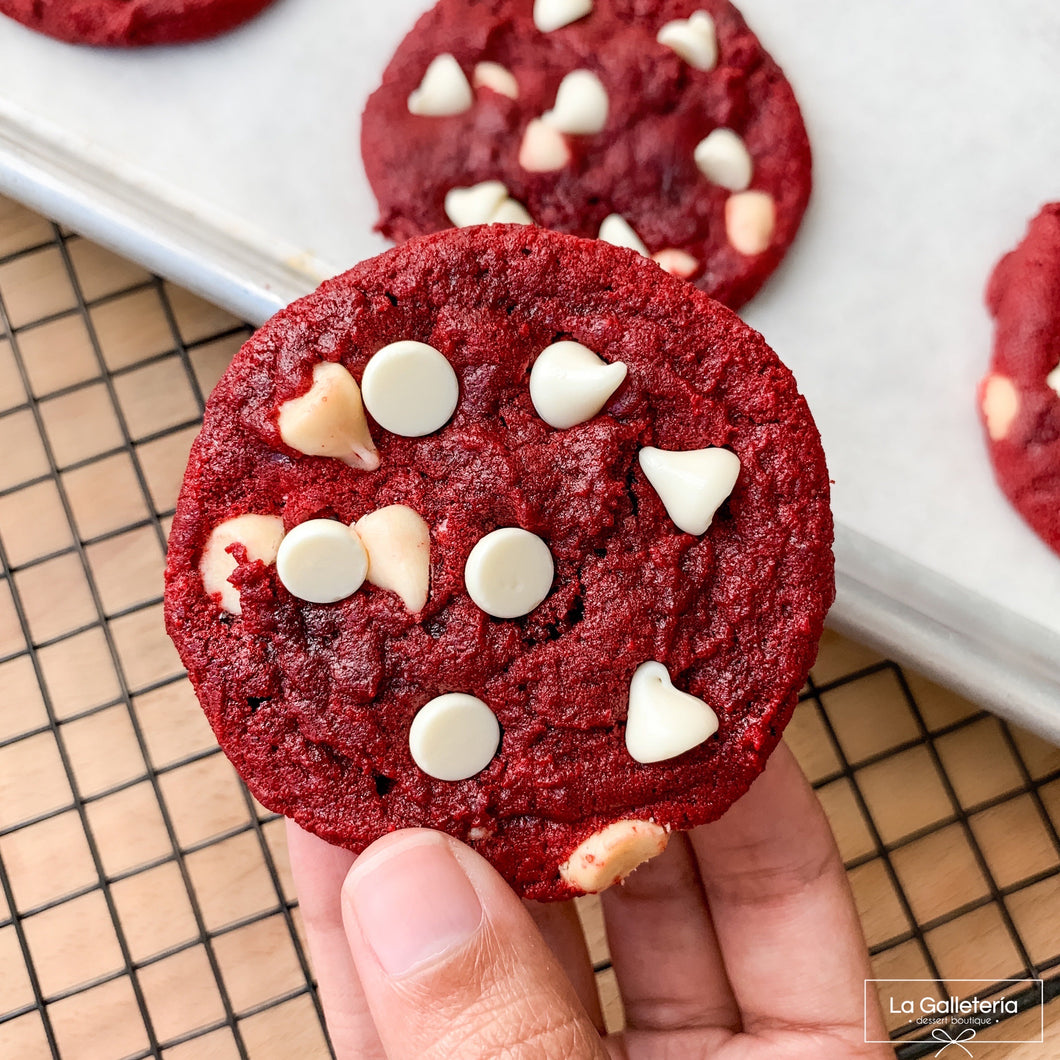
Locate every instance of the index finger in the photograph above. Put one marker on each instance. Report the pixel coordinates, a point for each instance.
(782, 908)
(319, 871)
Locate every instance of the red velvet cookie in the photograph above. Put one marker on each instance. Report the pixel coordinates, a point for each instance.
(592, 509)
(664, 127)
(130, 23)
(1019, 400)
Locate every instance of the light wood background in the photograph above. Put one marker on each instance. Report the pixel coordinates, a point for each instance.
(145, 902)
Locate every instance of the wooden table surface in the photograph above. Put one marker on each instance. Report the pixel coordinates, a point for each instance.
(146, 907)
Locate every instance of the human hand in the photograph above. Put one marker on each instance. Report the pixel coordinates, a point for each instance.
(739, 942)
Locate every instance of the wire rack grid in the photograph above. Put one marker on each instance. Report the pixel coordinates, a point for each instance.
(146, 908)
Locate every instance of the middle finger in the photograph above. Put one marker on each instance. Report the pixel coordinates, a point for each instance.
(559, 924)
(663, 947)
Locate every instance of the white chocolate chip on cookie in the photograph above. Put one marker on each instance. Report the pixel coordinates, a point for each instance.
(1000, 403)
(723, 158)
(511, 212)
(692, 484)
(543, 149)
(1052, 380)
(750, 217)
(675, 262)
(485, 203)
(509, 572)
(694, 39)
(554, 14)
(260, 535)
(398, 543)
(615, 229)
(569, 384)
(664, 722)
(474, 205)
(495, 77)
(454, 736)
(328, 420)
(410, 388)
(581, 105)
(321, 561)
(443, 91)
(607, 857)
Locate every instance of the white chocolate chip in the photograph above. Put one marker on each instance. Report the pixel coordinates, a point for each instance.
(570, 384)
(664, 722)
(1000, 403)
(543, 149)
(511, 212)
(723, 158)
(615, 229)
(410, 388)
(694, 39)
(454, 736)
(581, 105)
(552, 14)
(750, 217)
(474, 205)
(691, 484)
(1052, 380)
(607, 857)
(495, 77)
(675, 262)
(398, 543)
(328, 420)
(485, 203)
(260, 535)
(444, 90)
(321, 561)
(509, 572)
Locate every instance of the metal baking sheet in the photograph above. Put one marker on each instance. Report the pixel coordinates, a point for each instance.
(232, 166)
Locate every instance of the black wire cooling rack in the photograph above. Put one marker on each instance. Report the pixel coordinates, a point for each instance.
(94, 411)
(104, 621)
(911, 1043)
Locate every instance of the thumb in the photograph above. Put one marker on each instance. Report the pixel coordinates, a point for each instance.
(451, 963)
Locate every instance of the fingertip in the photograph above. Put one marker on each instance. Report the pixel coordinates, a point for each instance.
(318, 867)
(410, 901)
(391, 845)
(307, 846)
(448, 954)
(490, 887)
(783, 761)
(779, 804)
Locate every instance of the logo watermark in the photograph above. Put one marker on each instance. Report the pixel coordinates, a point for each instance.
(953, 1021)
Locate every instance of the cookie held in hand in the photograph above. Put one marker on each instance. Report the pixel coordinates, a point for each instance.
(506, 533)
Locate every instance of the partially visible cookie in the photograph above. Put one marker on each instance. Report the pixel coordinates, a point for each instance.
(505, 533)
(661, 126)
(130, 23)
(1019, 400)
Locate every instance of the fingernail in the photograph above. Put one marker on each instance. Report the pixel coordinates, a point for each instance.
(413, 903)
